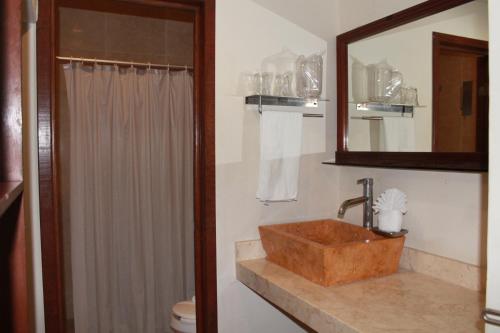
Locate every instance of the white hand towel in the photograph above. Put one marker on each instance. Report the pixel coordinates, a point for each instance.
(398, 134)
(407, 136)
(280, 149)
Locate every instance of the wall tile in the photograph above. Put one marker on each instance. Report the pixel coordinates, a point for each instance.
(179, 42)
(134, 35)
(81, 29)
(80, 53)
(92, 34)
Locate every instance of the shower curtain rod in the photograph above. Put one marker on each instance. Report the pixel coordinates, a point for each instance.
(119, 62)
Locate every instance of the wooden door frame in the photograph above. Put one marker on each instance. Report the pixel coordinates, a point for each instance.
(442, 41)
(16, 292)
(204, 162)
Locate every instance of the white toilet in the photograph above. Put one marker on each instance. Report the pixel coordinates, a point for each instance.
(184, 317)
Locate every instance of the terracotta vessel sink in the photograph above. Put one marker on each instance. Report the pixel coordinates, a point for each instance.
(330, 252)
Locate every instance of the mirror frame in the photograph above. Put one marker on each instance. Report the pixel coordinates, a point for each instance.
(473, 161)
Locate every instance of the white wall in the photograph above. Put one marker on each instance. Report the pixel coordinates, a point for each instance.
(246, 33)
(447, 210)
(409, 50)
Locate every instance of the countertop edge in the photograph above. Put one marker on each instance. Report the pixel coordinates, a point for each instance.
(311, 316)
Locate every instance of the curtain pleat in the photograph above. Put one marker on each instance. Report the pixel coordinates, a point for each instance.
(131, 196)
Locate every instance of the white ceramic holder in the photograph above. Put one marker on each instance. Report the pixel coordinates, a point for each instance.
(390, 220)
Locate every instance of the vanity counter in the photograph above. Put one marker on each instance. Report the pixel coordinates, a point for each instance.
(403, 302)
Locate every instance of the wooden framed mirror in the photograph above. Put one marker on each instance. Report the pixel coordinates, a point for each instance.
(413, 89)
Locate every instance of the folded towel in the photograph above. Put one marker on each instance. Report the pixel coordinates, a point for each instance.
(280, 149)
(376, 138)
(399, 134)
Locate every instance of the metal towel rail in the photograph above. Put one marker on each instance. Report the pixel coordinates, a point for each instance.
(377, 117)
(261, 100)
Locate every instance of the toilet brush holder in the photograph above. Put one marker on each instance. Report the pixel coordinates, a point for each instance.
(390, 220)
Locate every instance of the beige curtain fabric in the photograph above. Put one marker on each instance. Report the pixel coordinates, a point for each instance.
(131, 196)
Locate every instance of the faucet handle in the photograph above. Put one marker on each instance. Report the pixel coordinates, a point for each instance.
(365, 181)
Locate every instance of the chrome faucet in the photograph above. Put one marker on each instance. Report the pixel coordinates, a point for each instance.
(366, 200)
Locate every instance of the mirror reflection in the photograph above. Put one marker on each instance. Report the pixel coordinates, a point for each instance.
(422, 87)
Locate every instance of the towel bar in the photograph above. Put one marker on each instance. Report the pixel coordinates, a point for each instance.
(261, 100)
(377, 117)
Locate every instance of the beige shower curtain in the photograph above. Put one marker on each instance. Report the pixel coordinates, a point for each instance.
(131, 196)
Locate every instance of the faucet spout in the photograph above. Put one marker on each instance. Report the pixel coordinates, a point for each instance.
(350, 203)
(366, 199)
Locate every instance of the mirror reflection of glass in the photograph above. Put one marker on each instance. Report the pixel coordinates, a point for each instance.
(422, 87)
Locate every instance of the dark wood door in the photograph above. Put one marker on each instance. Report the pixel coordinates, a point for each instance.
(457, 113)
(461, 98)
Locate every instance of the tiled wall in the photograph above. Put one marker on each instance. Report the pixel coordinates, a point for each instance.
(85, 33)
(91, 34)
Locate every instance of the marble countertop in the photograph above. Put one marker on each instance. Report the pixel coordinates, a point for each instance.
(402, 302)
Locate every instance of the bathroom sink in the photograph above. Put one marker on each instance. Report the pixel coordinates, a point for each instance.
(331, 252)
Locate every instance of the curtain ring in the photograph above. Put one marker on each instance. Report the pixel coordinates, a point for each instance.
(149, 66)
(168, 67)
